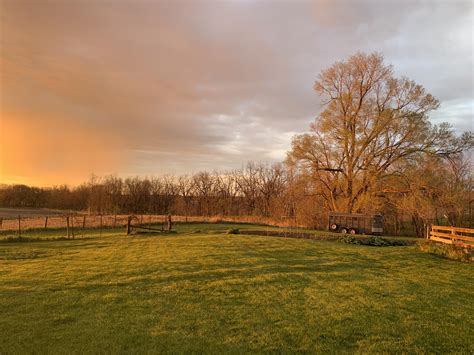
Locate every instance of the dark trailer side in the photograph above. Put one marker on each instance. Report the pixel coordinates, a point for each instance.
(355, 223)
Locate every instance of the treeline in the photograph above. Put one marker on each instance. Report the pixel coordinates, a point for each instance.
(256, 190)
(436, 190)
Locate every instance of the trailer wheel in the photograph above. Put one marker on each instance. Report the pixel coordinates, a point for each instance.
(344, 231)
(352, 231)
(333, 227)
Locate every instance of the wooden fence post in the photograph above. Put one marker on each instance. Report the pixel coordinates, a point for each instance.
(67, 226)
(1, 223)
(19, 226)
(129, 220)
(169, 222)
(100, 230)
(83, 222)
(72, 226)
(46, 222)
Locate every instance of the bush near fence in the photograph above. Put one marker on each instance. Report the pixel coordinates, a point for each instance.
(450, 242)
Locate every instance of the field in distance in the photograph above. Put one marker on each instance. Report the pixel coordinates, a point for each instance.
(14, 212)
(203, 290)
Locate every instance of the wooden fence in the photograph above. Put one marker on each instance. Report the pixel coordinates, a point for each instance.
(120, 220)
(463, 237)
(21, 223)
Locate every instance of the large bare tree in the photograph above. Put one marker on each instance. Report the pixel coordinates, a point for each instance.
(370, 121)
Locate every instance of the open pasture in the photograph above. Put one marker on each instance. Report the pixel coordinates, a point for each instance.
(7, 213)
(202, 290)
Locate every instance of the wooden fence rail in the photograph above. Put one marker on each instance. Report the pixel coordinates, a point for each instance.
(74, 221)
(463, 237)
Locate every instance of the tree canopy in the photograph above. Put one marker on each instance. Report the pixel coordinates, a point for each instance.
(370, 124)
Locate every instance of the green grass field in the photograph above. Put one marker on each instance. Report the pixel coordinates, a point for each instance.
(211, 292)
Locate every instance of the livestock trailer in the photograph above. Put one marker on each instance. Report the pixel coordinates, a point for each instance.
(356, 223)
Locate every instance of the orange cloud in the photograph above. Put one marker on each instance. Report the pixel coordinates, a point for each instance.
(39, 151)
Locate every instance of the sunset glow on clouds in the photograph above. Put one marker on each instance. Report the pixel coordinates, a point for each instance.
(152, 87)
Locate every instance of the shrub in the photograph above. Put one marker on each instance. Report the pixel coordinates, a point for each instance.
(382, 242)
(378, 242)
(372, 241)
(348, 239)
(448, 251)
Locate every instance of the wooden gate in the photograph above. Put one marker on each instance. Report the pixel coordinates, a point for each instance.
(463, 237)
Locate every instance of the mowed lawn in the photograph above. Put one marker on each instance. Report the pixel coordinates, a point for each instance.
(219, 293)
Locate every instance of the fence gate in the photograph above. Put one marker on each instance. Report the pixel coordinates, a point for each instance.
(463, 237)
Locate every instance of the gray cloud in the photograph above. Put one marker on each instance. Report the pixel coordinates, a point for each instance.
(183, 86)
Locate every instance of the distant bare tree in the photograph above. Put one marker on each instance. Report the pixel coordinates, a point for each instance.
(204, 188)
(113, 188)
(170, 191)
(248, 185)
(229, 194)
(185, 186)
(271, 182)
(157, 192)
(97, 196)
(137, 194)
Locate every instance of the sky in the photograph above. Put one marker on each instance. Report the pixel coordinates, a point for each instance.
(175, 87)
